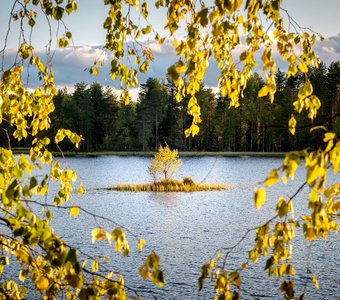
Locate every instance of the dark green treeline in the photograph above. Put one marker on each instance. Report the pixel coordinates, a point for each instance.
(157, 118)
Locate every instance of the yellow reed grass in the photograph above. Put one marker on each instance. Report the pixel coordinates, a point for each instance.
(172, 185)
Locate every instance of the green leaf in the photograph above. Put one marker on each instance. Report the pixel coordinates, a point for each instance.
(31, 22)
(269, 263)
(58, 12)
(107, 23)
(72, 256)
(173, 74)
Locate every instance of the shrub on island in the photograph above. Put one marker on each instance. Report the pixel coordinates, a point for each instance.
(163, 165)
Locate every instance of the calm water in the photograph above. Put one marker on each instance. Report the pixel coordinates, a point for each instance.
(186, 229)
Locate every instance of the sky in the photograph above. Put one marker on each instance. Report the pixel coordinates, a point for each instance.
(88, 36)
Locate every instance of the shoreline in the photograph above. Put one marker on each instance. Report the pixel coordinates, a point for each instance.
(151, 153)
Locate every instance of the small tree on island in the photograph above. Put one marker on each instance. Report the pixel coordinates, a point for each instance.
(165, 163)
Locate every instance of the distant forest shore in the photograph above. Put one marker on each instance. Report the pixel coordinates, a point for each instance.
(151, 153)
(109, 126)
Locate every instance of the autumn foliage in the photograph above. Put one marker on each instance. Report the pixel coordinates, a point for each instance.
(53, 267)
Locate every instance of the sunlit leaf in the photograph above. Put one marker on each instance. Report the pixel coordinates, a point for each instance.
(42, 283)
(272, 178)
(98, 234)
(74, 211)
(259, 197)
(94, 266)
(292, 124)
(80, 190)
(263, 92)
(141, 244)
(315, 282)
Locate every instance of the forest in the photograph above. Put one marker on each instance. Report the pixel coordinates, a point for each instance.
(106, 123)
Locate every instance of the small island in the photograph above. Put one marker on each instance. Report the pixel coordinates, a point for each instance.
(163, 165)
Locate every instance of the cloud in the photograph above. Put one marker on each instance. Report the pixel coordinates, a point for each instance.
(71, 64)
(329, 49)
(80, 57)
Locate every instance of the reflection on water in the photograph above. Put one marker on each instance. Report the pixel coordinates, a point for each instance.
(165, 199)
(187, 229)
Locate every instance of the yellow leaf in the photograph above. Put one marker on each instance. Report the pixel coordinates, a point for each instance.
(98, 234)
(95, 71)
(329, 146)
(310, 234)
(94, 266)
(314, 196)
(292, 124)
(308, 88)
(22, 275)
(272, 178)
(218, 255)
(259, 196)
(175, 43)
(194, 130)
(84, 263)
(141, 244)
(80, 190)
(263, 91)
(315, 281)
(303, 67)
(253, 255)
(144, 67)
(235, 278)
(42, 283)
(291, 207)
(144, 273)
(328, 136)
(74, 211)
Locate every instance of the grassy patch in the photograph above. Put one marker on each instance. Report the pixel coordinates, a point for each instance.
(172, 185)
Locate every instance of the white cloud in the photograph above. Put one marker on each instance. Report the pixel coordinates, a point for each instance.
(82, 56)
(329, 49)
(69, 64)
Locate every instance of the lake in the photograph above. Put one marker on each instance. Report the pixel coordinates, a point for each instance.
(187, 229)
